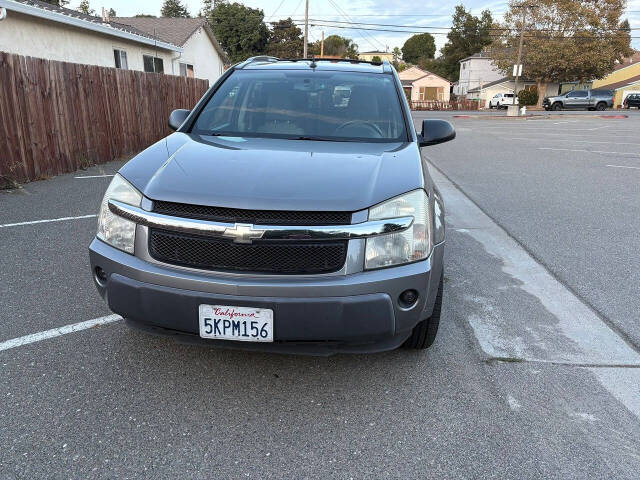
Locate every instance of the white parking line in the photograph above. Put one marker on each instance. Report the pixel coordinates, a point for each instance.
(589, 151)
(49, 220)
(57, 332)
(574, 141)
(94, 176)
(623, 166)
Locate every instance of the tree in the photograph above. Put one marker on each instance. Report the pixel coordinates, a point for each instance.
(285, 40)
(435, 65)
(336, 46)
(85, 8)
(376, 58)
(468, 36)
(564, 40)
(174, 8)
(418, 46)
(240, 30)
(112, 13)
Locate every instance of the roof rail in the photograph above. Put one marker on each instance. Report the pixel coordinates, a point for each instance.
(259, 58)
(266, 58)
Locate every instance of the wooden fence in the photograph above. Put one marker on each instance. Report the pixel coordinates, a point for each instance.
(450, 105)
(56, 117)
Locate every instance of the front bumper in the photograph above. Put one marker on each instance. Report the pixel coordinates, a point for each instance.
(317, 314)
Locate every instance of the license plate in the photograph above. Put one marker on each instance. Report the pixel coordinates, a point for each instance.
(243, 324)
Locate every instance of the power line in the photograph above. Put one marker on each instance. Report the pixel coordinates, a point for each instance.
(438, 28)
(349, 27)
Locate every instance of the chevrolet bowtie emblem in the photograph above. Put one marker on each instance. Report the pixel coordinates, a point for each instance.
(243, 233)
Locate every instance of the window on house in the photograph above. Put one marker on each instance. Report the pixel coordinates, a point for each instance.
(120, 57)
(464, 65)
(186, 70)
(152, 64)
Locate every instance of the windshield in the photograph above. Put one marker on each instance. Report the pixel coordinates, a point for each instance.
(314, 105)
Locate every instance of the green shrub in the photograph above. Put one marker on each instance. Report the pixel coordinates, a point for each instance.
(528, 97)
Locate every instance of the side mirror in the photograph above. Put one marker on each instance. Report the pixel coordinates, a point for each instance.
(435, 131)
(177, 118)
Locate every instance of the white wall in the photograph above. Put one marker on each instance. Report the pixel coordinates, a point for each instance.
(35, 37)
(200, 52)
(474, 71)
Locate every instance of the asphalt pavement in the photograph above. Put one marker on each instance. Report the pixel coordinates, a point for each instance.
(532, 375)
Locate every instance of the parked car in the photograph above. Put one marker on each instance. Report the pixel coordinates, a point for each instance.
(632, 100)
(580, 99)
(279, 216)
(502, 100)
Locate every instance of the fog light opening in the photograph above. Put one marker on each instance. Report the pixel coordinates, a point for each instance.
(408, 298)
(101, 276)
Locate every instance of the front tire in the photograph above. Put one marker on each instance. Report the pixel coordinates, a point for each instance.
(557, 107)
(601, 106)
(424, 333)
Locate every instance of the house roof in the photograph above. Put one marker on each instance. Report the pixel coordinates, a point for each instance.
(376, 52)
(498, 82)
(620, 84)
(476, 55)
(407, 83)
(425, 73)
(172, 30)
(632, 60)
(75, 18)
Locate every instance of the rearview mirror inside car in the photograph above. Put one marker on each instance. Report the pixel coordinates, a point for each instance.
(436, 131)
(177, 118)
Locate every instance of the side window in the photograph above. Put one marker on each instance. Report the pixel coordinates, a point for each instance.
(186, 70)
(152, 64)
(120, 58)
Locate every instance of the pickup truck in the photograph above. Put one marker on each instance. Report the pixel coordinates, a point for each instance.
(580, 99)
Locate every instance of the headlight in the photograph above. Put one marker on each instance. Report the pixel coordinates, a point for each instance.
(112, 229)
(409, 246)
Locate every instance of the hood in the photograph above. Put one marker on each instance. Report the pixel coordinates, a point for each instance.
(275, 174)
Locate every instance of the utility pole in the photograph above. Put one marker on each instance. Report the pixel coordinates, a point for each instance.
(306, 28)
(517, 67)
(322, 45)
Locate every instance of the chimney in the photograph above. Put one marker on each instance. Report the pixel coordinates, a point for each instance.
(105, 16)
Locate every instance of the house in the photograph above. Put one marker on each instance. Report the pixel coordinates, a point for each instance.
(201, 57)
(475, 71)
(624, 79)
(38, 29)
(505, 85)
(422, 86)
(368, 56)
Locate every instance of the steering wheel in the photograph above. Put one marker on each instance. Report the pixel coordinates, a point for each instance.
(372, 126)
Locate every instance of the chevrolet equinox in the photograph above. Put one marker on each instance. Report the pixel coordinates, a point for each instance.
(290, 211)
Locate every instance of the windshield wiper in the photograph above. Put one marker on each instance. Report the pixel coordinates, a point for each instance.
(317, 139)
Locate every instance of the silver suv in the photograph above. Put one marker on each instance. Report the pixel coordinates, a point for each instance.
(291, 210)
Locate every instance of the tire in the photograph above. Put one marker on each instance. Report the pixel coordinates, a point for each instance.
(424, 333)
(490, 106)
(556, 106)
(601, 106)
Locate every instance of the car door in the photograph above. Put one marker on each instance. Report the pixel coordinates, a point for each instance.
(571, 100)
(581, 99)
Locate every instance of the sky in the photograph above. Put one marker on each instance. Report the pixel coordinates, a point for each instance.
(432, 13)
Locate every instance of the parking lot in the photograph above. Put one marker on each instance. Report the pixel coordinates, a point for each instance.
(535, 372)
